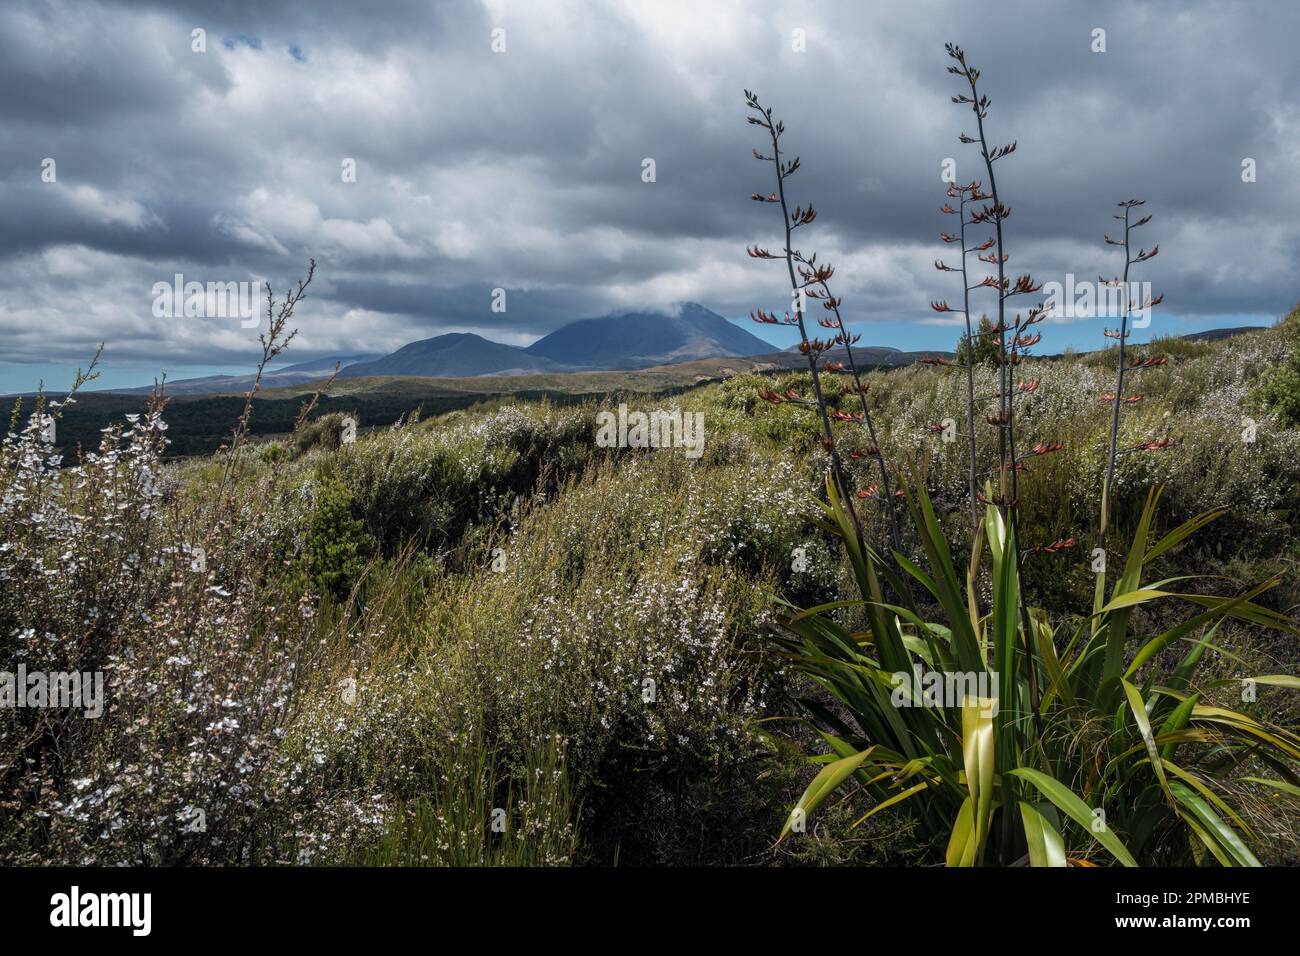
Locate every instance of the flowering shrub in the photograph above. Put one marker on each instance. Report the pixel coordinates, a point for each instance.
(103, 570)
(618, 622)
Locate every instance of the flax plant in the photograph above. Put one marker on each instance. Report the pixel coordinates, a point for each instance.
(1134, 765)
(809, 280)
(1118, 399)
(812, 349)
(816, 283)
(965, 195)
(1011, 349)
(1083, 751)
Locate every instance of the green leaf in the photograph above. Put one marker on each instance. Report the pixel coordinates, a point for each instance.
(1176, 721)
(944, 584)
(977, 755)
(1279, 680)
(895, 799)
(1208, 794)
(1060, 683)
(1131, 598)
(1212, 824)
(1144, 727)
(1046, 847)
(1184, 530)
(823, 785)
(1075, 809)
(960, 851)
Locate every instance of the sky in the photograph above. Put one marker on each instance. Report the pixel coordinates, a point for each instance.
(503, 145)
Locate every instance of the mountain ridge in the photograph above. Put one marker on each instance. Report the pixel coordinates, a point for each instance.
(620, 342)
(641, 339)
(453, 354)
(616, 342)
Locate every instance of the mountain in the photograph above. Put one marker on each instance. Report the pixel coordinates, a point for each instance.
(627, 341)
(456, 354)
(327, 364)
(623, 342)
(231, 384)
(288, 376)
(864, 355)
(882, 349)
(620, 343)
(641, 339)
(1214, 335)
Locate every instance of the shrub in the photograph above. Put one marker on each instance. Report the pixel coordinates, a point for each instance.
(616, 624)
(337, 547)
(425, 486)
(325, 432)
(112, 567)
(1279, 387)
(986, 348)
(104, 572)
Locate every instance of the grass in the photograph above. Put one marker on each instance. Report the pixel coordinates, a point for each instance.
(579, 637)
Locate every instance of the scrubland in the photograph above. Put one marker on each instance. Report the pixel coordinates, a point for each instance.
(481, 639)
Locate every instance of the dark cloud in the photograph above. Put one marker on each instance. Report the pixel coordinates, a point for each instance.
(522, 171)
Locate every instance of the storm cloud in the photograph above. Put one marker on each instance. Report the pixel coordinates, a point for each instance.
(522, 169)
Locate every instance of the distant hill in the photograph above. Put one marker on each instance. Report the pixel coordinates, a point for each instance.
(860, 348)
(873, 355)
(613, 343)
(454, 355)
(228, 384)
(200, 419)
(198, 423)
(641, 339)
(286, 377)
(1214, 335)
(619, 342)
(327, 364)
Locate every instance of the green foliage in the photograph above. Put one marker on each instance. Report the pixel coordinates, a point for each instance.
(617, 622)
(1063, 747)
(324, 432)
(426, 486)
(171, 592)
(1279, 387)
(1280, 391)
(471, 818)
(336, 547)
(272, 452)
(644, 568)
(464, 682)
(986, 348)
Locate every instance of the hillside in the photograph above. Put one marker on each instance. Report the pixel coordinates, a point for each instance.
(456, 354)
(640, 339)
(494, 566)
